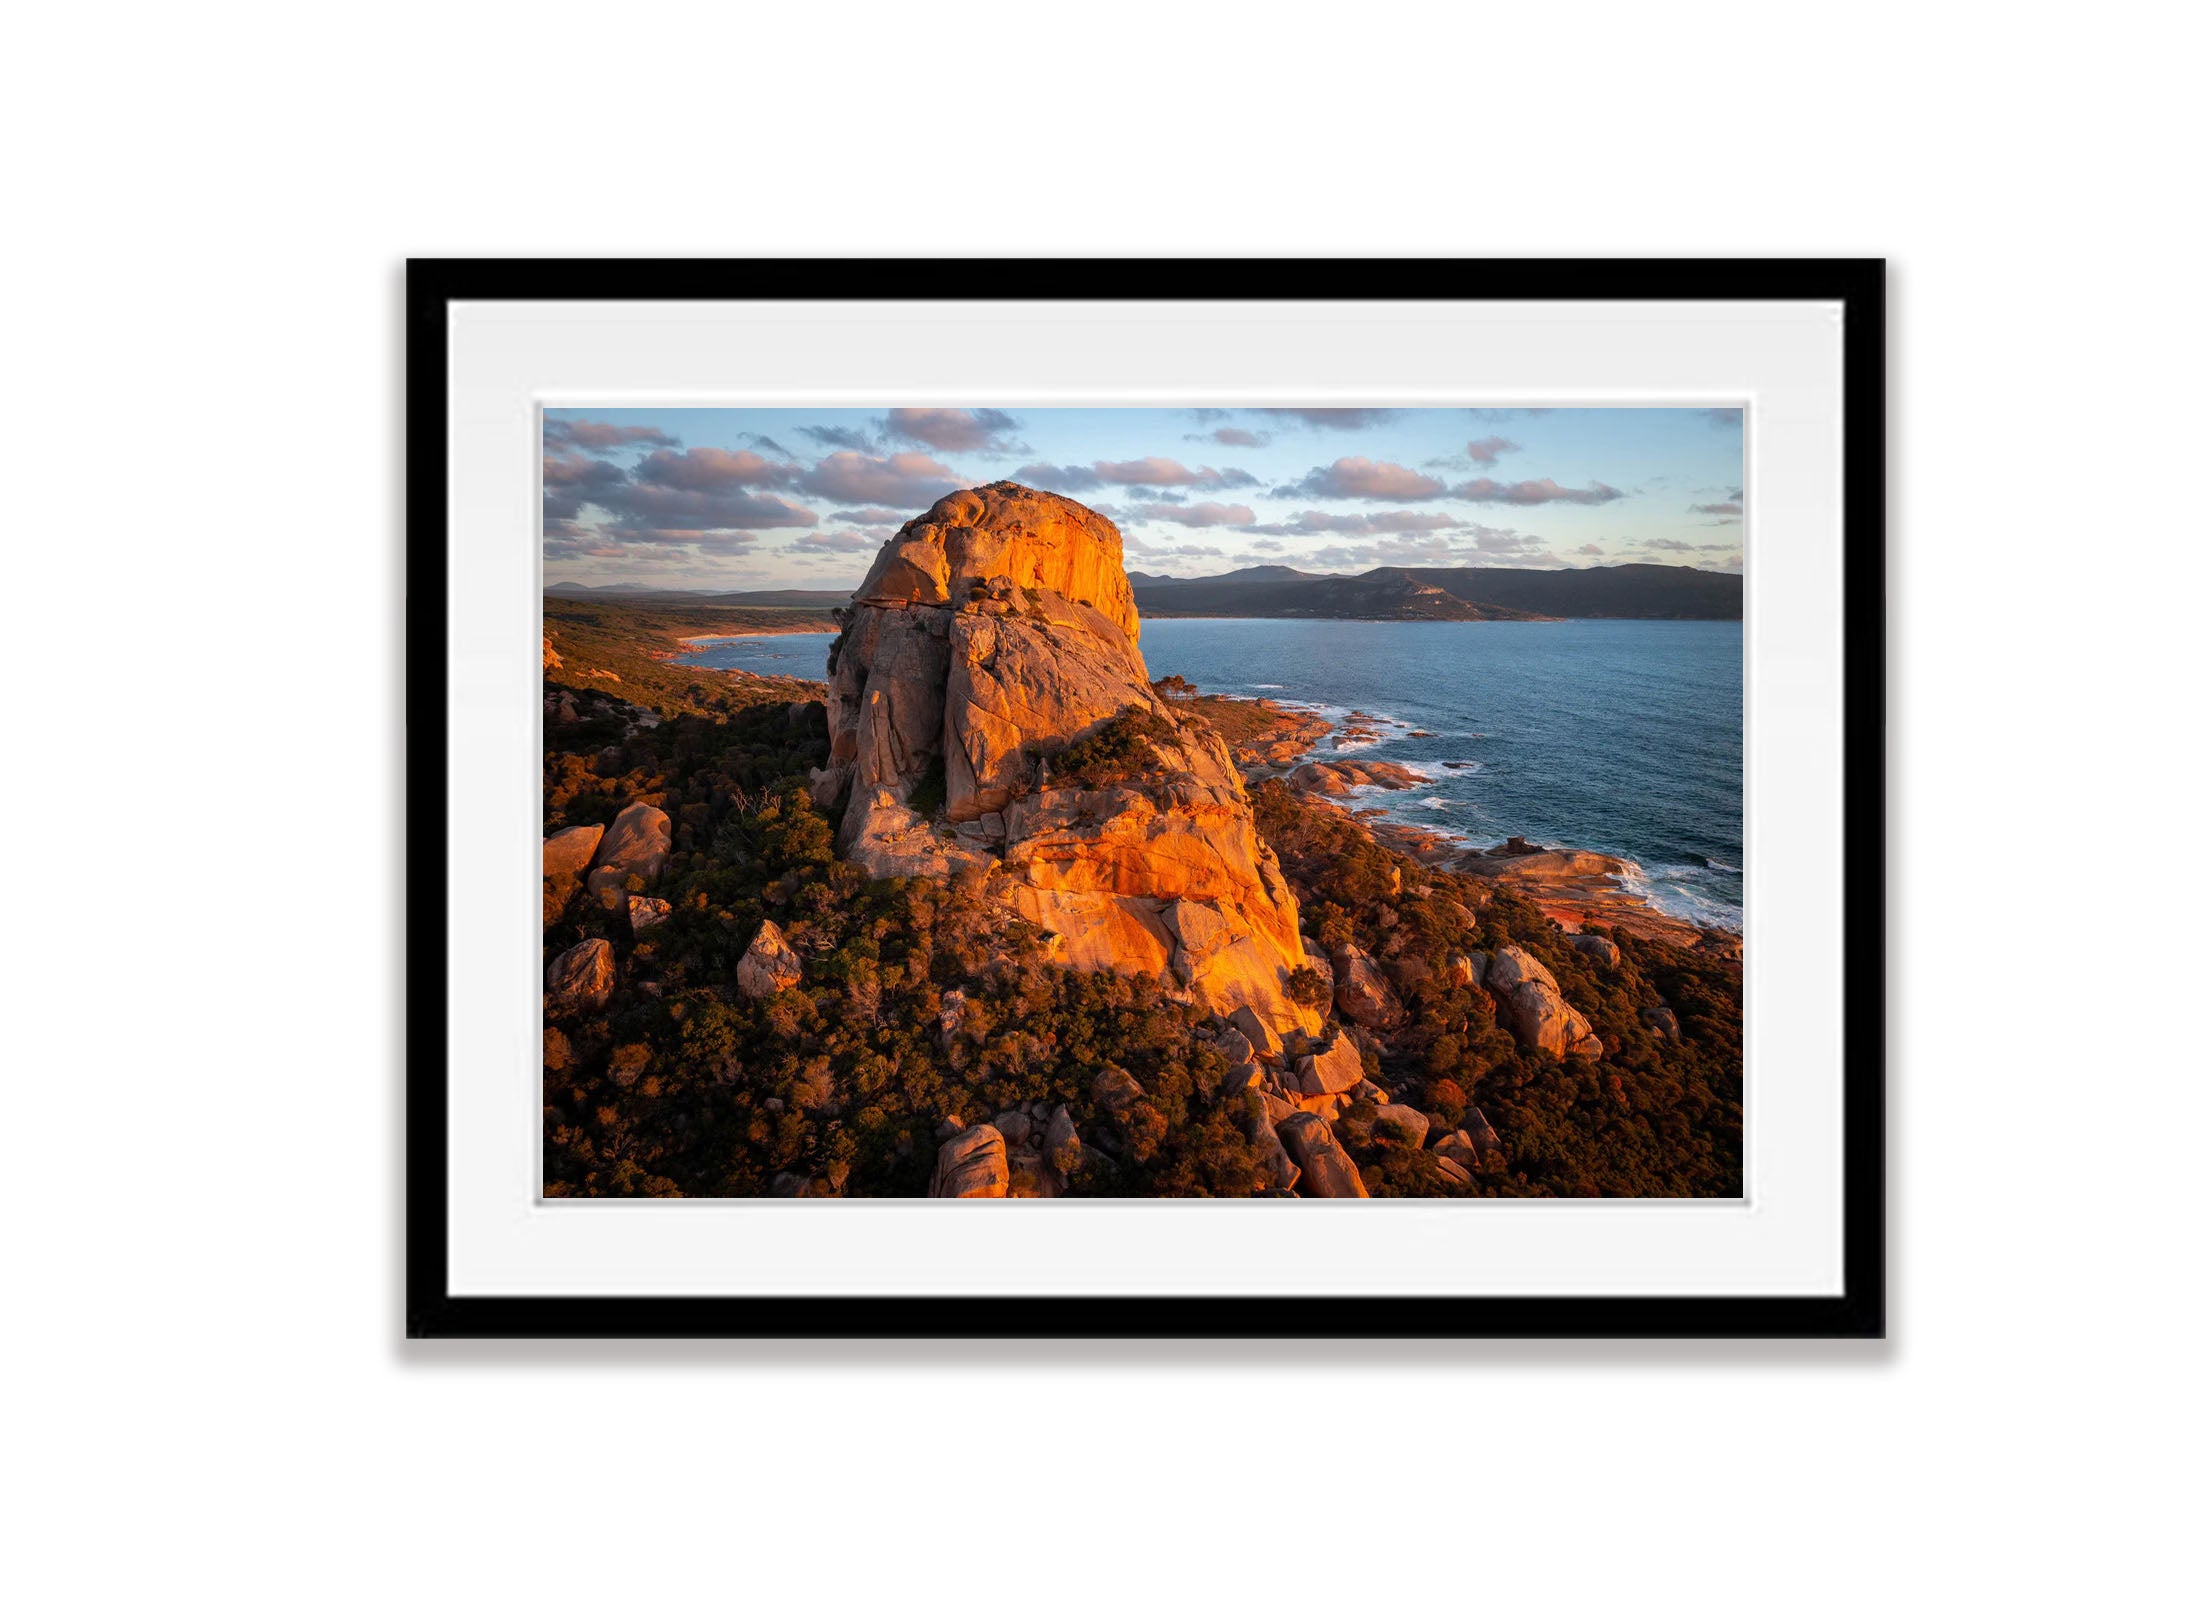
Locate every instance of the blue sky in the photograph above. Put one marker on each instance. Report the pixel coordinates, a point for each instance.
(723, 498)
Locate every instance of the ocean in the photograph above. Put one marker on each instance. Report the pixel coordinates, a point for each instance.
(1624, 737)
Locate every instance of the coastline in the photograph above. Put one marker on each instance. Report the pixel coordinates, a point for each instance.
(695, 641)
(1576, 889)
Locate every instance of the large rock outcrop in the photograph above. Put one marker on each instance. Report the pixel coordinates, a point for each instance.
(1541, 1017)
(994, 635)
(634, 846)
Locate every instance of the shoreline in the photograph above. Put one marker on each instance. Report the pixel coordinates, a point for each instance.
(693, 641)
(1570, 886)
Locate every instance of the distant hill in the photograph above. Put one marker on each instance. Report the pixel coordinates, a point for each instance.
(1637, 590)
(1458, 594)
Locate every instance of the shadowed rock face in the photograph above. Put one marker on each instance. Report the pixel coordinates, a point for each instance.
(992, 635)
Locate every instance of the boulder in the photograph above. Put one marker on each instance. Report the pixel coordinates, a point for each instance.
(1401, 1125)
(1325, 1171)
(1453, 1173)
(1266, 1043)
(581, 979)
(1116, 1090)
(1363, 994)
(1235, 1047)
(1538, 1014)
(993, 636)
(1600, 952)
(1333, 1069)
(1663, 1019)
(1247, 1075)
(973, 1165)
(567, 852)
(1015, 1128)
(1479, 1132)
(644, 912)
(769, 965)
(634, 846)
(1455, 1147)
(1277, 1170)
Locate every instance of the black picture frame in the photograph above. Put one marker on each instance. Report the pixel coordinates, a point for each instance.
(1859, 1311)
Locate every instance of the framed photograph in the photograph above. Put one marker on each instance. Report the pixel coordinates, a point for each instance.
(1344, 797)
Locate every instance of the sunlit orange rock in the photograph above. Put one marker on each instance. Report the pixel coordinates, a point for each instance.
(993, 634)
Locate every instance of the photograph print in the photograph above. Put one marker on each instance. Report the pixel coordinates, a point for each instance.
(1040, 803)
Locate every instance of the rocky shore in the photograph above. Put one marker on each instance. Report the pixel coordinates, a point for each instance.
(1576, 889)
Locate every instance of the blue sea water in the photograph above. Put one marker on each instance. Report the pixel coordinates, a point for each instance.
(1618, 736)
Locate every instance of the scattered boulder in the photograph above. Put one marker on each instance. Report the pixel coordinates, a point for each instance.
(1479, 1132)
(644, 912)
(1662, 1019)
(1453, 1173)
(634, 846)
(1235, 1047)
(1015, 1128)
(1456, 1147)
(567, 852)
(1266, 1042)
(1363, 994)
(973, 1165)
(769, 966)
(1539, 1015)
(1599, 951)
(1333, 1069)
(1246, 1075)
(1325, 1171)
(1401, 1125)
(581, 979)
(1116, 1090)
(787, 1186)
(1277, 1170)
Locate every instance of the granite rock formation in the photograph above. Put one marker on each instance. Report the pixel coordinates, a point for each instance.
(994, 635)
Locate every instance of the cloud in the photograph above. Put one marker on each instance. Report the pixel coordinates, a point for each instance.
(1347, 419)
(1205, 514)
(908, 480)
(1161, 472)
(1476, 453)
(1236, 438)
(840, 438)
(1372, 522)
(1535, 492)
(706, 467)
(1721, 416)
(872, 517)
(562, 433)
(1588, 550)
(695, 499)
(1720, 508)
(1358, 478)
(951, 428)
(835, 541)
(1059, 480)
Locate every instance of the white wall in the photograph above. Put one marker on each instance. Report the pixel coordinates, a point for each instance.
(209, 205)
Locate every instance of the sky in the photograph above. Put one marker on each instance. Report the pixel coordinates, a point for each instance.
(717, 498)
